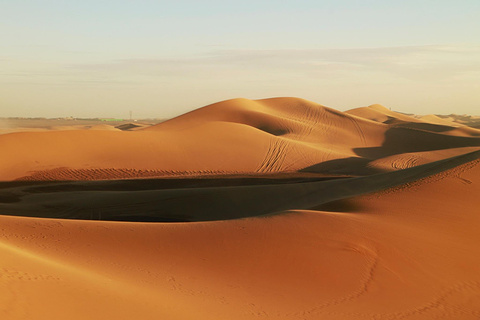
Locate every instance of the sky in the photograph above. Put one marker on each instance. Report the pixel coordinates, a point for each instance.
(160, 59)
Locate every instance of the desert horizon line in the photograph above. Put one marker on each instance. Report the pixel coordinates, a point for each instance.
(131, 117)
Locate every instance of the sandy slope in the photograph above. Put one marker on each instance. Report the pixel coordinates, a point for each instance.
(144, 200)
(379, 113)
(229, 137)
(398, 254)
(431, 118)
(368, 214)
(430, 123)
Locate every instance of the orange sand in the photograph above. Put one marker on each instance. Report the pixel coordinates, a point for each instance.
(368, 214)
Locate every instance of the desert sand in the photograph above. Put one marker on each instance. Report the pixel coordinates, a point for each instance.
(245, 209)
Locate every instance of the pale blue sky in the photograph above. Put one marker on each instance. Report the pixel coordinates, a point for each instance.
(163, 58)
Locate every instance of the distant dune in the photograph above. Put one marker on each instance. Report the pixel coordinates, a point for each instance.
(431, 118)
(11, 125)
(244, 209)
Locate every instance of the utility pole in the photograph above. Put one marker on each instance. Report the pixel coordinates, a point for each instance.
(130, 115)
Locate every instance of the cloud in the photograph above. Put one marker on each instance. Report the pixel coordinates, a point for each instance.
(434, 64)
(417, 63)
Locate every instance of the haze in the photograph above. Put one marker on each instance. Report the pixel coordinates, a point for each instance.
(161, 59)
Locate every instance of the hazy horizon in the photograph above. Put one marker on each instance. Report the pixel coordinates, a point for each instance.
(161, 59)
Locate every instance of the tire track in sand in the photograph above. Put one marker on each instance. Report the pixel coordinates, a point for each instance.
(67, 174)
(359, 129)
(275, 156)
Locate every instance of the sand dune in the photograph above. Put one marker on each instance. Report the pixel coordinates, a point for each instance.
(132, 200)
(269, 209)
(430, 123)
(270, 136)
(415, 259)
(379, 113)
(12, 125)
(431, 118)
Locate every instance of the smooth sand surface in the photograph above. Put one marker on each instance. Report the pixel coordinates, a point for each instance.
(269, 209)
(237, 136)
